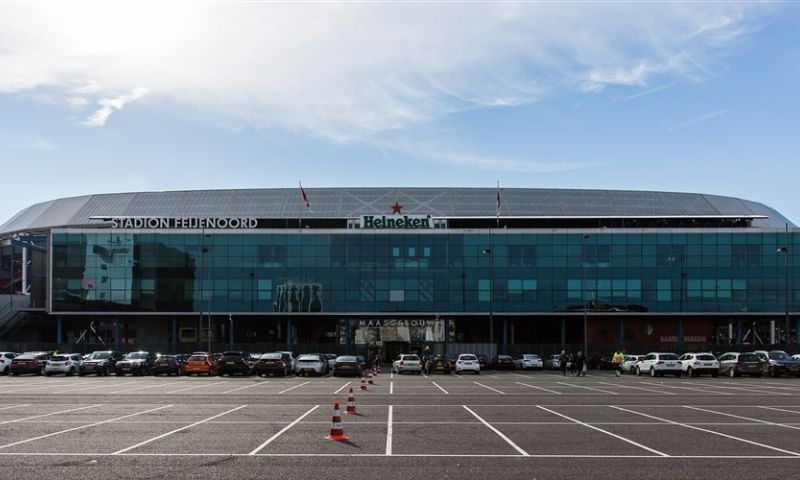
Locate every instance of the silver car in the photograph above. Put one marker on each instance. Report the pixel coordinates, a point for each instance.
(66, 363)
(407, 363)
(311, 365)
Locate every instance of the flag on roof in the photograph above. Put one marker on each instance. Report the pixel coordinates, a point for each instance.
(304, 197)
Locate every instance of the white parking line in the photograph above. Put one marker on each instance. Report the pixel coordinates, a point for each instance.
(759, 392)
(14, 406)
(246, 386)
(292, 388)
(660, 392)
(589, 388)
(195, 387)
(142, 388)
(27, 440)
(706, 391)
(754, 385)
(490, 388)
(778, 409)
(391, 388)
(618, 437)
(440, 388)
(389, 432)
(342, 388)
(177, 430)
(765, 422)
(540, 388)
(713, 432)
(48, 414)
(424, 374)
(498, 432)
(282, 431)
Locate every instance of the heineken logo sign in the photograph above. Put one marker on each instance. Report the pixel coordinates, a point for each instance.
(413, 222)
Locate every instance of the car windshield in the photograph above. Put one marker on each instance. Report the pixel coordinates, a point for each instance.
(411, 358)
(503, 357)
(198, 358)
(136, 356)
(100, 356)
(468, 357)
(668, 356)
(531, 357)
(779, 355)
(59, 358)
(271, 356)
(438, 358)
(706, 357)
(330, 355)
(167, 357)
(308, 359)
(346, 359)
(748, 357)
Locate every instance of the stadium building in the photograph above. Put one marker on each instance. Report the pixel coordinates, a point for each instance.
(398, 269)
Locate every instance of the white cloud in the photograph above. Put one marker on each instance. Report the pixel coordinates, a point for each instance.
(25, 142)
(348, 72)
(76, 102)
(108, 105)
(675, 126)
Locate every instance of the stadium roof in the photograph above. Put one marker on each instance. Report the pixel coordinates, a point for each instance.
(332, 203)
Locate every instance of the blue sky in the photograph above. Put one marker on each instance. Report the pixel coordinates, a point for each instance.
(699, 97)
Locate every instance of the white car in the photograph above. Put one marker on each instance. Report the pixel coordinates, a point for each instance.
(5, 361)
(528, 360)
(407, 363)
(468, 362)
(311, 364)
(658, 363)
(553, 362)
(629, 364)
(66, 363)
(695, 364)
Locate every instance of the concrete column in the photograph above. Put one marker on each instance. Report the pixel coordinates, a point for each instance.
(347, 336)
(446, 333)
(116, 334)
(680, 334)
(738, 332)
(730, 333)
(59, 331)
(772, 339)
(563, 333)
(174, 335)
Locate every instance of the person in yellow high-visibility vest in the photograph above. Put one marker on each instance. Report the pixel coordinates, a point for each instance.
(617, 360)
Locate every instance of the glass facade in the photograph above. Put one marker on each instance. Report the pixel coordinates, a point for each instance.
(441, 271)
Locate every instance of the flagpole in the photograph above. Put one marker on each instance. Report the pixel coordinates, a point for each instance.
(497, 216)
(300, 210)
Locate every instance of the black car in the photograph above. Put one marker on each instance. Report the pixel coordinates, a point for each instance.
(100, 363)
(438, 364)
(276, 363)
(483, 362)
(29, 362)
(168, 364)
(235, 362)
(504, 362)
(135, 363)
(347, 365)
(362, 360)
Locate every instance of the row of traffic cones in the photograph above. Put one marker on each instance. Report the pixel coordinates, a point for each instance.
(337, 430)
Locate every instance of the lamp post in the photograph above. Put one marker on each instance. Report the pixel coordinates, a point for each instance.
(785, 251)
(488, 251)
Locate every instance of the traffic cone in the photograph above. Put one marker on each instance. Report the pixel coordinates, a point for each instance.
(377, 371)
(369, 381)
(363, 384)
(337, 432)
(351, 403)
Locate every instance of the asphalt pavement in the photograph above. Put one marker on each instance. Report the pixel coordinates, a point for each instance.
(532, 425)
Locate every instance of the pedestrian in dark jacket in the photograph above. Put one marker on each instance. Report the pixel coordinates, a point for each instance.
(580, 364)
(562, 362)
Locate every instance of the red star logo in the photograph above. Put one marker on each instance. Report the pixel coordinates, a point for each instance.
(396, 208)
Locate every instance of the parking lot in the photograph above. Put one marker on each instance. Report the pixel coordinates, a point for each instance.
(531, 424)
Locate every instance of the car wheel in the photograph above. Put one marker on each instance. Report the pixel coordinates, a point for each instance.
(690, 372)
(652, 372)
(638, 372)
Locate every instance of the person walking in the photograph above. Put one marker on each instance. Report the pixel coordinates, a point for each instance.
(617, 360)
(580, 364)
(571, 364)
(562, 362)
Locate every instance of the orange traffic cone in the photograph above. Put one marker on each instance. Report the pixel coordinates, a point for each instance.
(337, 432)
(363, 384)
(377, 371)
(351, 403)
(369, 381)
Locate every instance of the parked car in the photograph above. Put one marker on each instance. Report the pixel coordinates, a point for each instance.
(468, 362)
(601, 362)
(292, 358)
(331, 358)
(201, 363)
(528, 361)
(778, 362)
(629, 363)
(346, 365)
(100, 362)
(503, 362)
(314, 364)
(483, 362)
(67, 363)
(438, 364)
(734, 364)
(232, 363)
(5, 362)
(553, 362)
(659, 364)
(362, 360)
(29, 362)
(696, 364)
(136, 363)
(407, 363)
(168, 364)
(275, 363)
